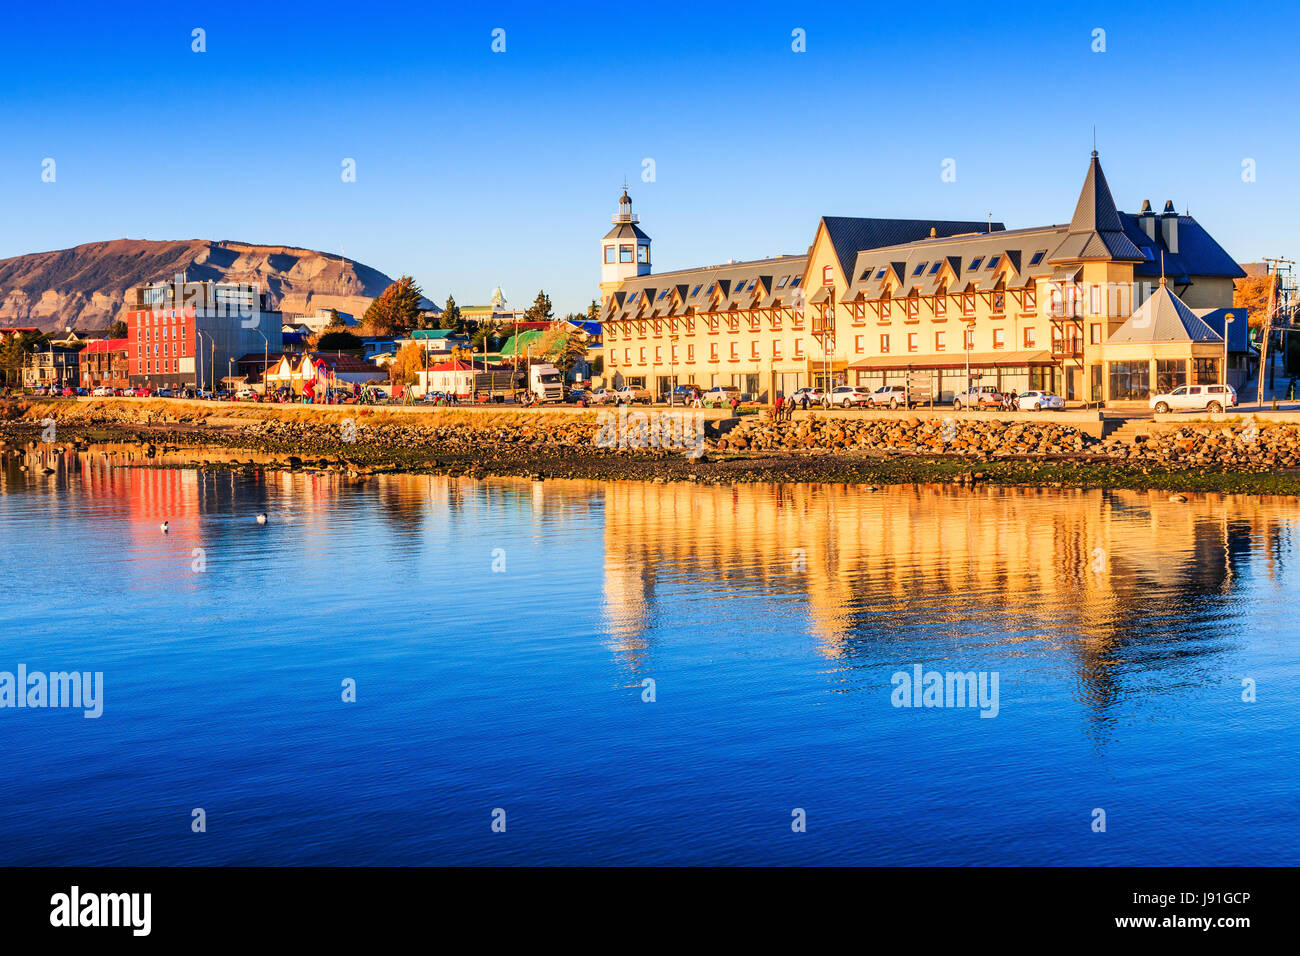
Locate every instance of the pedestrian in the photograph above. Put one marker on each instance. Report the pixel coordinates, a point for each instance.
(776, 409)
(803, 402)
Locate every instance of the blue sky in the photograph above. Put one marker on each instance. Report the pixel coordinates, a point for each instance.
(476, 168)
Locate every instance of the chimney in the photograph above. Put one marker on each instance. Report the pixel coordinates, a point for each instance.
(1147, 220)
(1169, 226)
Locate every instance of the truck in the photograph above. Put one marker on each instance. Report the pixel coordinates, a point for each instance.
(539, 381)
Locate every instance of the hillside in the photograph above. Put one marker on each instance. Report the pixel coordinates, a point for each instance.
(84, 287)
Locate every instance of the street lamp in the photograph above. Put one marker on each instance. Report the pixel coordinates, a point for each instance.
(1227, 321)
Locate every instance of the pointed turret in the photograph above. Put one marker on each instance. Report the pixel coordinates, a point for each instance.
(1096, 231)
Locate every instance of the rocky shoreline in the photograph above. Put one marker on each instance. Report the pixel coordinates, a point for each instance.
(1237, 457)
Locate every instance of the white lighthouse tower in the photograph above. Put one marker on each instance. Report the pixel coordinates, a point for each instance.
(625, 250)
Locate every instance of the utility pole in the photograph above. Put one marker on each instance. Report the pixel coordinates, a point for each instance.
(1275, 264)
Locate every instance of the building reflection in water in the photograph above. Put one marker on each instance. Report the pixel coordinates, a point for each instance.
(1096, 580)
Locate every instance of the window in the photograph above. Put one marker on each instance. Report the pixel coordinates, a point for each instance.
(920, 267)
(968, 304)
(999, 303)
(794, 283)
(709, 290)
(1206, 370)
(993, 263)
(975, 263)
(884, 343)
(690, 353)
(753, 349)
(1130, 381)
(940, 305)
(613, 356)
(624, 253)
(642, 252)
(695, 291)
(1094, 334)
(1031, 302)
(881, 273)
(913, 308)
(776, 349)
(1029, 338)
(661, 294)
(1038, 257)
(713, 352)
(1170, 373)
(827, 275)
(659, 354)
(913, 341)
(782, 282)
(940, 341)
(999, 338)
(858, 345)
(969, 339)
(936, 267)
(735, 351)
(884, 308)
(609, 254)
(798, 348)
(641, 355)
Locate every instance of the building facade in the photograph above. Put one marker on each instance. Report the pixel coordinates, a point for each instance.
(106, 362)
(52, 365)
(936, 304)
(189, 334)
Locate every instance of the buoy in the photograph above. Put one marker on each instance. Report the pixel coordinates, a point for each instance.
(261, 519)
(163, 527)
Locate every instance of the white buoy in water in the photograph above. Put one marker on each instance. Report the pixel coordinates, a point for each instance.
(163, 527)
(261, 519)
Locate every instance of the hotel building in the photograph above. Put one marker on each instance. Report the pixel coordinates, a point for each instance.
(885, 301)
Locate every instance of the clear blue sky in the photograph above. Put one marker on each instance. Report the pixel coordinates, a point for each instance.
(475, 168)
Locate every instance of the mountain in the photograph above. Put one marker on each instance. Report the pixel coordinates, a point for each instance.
(84, 287)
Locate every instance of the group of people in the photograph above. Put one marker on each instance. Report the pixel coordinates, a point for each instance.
(1010, 401)
(783, 410)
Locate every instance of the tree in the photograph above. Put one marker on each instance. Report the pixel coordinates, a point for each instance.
(117, 330)
(409, 360)
(593, 311)
(338, 340)
(540, 310)
(562, 348)
(450, 315)
(484, 333)
(12, 353)
(397, 310)
(1255, 295)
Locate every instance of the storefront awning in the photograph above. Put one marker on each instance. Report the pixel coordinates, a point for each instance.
(955, 360)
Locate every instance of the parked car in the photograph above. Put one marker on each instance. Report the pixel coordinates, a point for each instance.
(978, 396)
(892, 395)
(1209, 398)
(846, 396)
(815, 396)
(246, 395)
(140, 392)
(165, 393)
(1036, 401)
(102, 391)
(720, 396)
(600, 396)
(627, 395)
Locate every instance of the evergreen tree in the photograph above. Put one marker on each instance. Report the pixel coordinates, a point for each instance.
(396, 311)
(540, 310)
(450, 315)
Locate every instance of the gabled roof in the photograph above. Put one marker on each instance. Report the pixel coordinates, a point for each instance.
(1163, 318)
(1198, 253)
(1096, 231)
(850, 235)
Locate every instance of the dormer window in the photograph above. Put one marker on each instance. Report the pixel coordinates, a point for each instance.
(975, 264)
(920, 267)
(1038, 257)
(936, 267)
(782, 282)
(881, 273)
(993, 263)
(794, 283)
(695, 291)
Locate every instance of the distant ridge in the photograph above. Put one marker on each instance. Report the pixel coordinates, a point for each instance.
(84, 287)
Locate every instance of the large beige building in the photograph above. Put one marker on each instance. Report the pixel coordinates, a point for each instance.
(884, 301)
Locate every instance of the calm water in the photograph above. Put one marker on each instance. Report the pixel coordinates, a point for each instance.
(771, 620)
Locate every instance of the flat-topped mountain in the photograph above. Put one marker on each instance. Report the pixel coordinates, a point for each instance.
(83, 287)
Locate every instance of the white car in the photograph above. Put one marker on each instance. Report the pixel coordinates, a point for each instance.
(1209, 398)
(891, 395)
(1035, 401)
(246, 394)
(846, 396)
(102, 391)
(720, 396)
(815, 395)
(627, 395)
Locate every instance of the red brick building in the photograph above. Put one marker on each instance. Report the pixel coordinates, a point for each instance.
(105, 362)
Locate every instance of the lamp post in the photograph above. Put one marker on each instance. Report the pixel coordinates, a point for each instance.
(1227, 322)
(266, 357)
